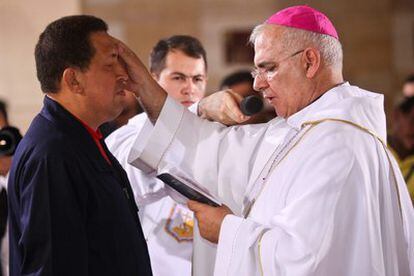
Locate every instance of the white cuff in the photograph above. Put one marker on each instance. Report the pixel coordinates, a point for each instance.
(153, 141)
(227, 243)
(194, 108)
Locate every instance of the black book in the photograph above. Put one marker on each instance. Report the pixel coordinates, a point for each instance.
(189, 189)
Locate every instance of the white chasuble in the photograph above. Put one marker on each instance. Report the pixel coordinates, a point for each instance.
(308, 199)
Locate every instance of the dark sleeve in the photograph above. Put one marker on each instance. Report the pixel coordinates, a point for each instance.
(53, 236)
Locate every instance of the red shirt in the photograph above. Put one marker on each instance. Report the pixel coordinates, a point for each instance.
(97, 136)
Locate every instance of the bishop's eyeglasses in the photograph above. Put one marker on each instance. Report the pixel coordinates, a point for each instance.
(269, 70)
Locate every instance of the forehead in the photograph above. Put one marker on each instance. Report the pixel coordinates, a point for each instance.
(103, 43)
(267, 45)
(178, 61)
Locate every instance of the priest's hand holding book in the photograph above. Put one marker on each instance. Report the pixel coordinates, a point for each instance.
(209, 219)
(207, 208)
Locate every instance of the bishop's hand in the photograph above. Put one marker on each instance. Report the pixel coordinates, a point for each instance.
(138, 74)
(222, 107)
(140, 82)
(209, 219)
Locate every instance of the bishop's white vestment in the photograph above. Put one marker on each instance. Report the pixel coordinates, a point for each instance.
(314, 194)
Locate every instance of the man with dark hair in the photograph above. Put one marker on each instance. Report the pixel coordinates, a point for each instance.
(408, 86)
(179, 65)
(71, 206)
(402, 140)
(188, 45)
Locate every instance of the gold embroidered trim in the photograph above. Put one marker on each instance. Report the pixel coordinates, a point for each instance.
(260, 253)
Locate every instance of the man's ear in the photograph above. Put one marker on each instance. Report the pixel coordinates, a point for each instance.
(312, 59)
(71, 79)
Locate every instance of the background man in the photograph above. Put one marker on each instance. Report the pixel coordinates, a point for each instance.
(408, 86)
(402, 140)
(179, 65)
(311, 190)
(71, 206)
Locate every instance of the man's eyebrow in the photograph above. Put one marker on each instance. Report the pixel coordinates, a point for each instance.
(184, 75)
(265, 64)
(178, 73)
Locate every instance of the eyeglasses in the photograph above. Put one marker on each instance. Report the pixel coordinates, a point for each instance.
(269, 70)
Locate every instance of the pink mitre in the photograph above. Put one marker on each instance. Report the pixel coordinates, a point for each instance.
(305, 18)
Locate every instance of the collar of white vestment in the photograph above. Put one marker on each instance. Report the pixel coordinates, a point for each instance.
(345, 102)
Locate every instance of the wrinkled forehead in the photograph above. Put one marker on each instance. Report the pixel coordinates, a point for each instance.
(268, 44)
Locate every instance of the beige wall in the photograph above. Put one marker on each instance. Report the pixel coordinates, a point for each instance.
(21, 22)
(377, 35)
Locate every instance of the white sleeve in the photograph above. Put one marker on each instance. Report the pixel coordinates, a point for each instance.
(145, 186)
(201, 149)
(152, 141)
(194, 108)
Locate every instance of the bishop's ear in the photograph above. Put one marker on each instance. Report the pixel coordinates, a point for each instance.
(71, 79)
(312, 59)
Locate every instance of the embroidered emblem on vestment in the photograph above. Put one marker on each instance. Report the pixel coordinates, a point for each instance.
(180, 224)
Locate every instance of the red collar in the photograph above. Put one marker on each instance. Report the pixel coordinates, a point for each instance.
(97, 136)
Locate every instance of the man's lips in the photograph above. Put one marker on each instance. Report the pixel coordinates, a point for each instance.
(187, 103)
(270, 99)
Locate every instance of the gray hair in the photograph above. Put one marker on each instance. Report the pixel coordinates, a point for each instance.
(329, 47)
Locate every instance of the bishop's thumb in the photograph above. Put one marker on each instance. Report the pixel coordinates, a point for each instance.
(195, 206)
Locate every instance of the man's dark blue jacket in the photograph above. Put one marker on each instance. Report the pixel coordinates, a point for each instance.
(71, 212)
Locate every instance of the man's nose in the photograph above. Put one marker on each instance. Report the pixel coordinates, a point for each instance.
(121, 72)
(260, 84)
(189, 86)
